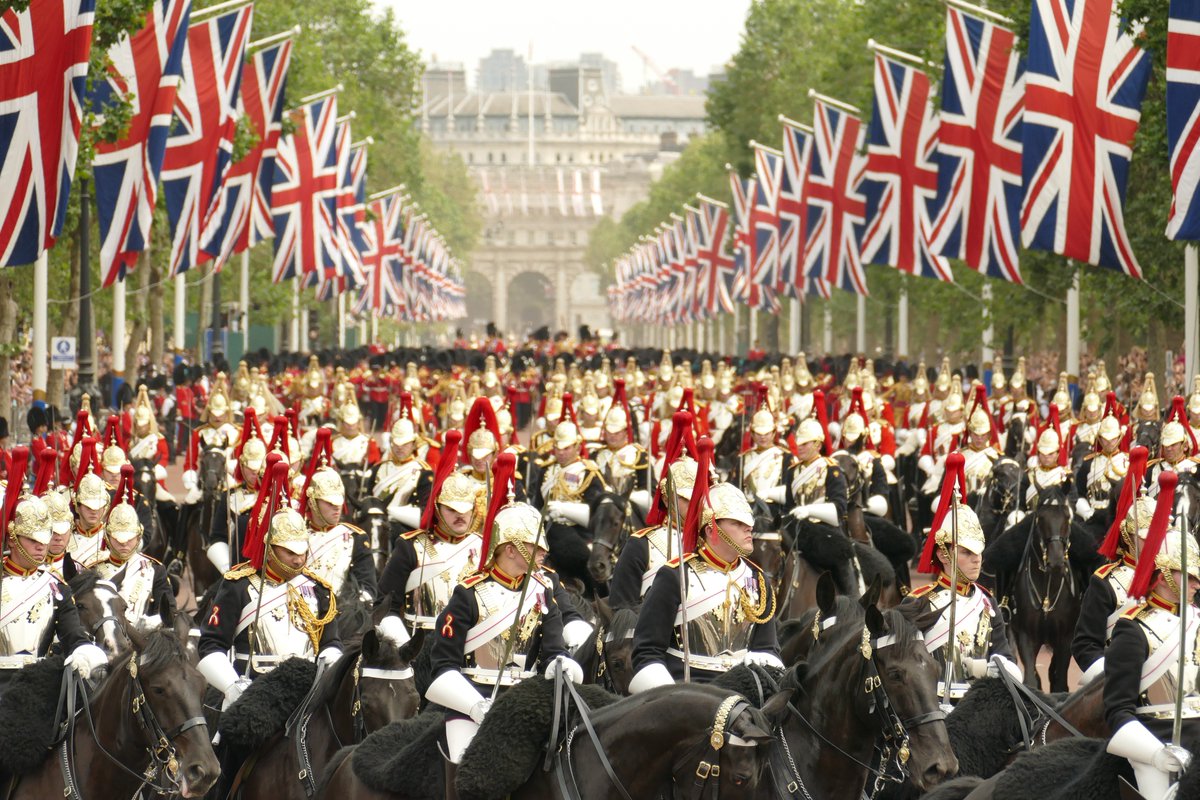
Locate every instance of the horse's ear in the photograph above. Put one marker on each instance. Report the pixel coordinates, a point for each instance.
(826, 594)
(381, 610)
(874, 621)
(871, 596)
(370, 645)
(775, 709)
(604, 612)
(411, 648)
(136, 638)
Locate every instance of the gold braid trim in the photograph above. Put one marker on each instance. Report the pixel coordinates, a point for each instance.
(758, 614)
(305, 620)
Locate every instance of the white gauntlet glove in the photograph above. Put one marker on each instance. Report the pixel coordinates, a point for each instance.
(1084, 509)
(570, 669)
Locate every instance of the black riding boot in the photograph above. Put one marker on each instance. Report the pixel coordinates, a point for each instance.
(451, 775)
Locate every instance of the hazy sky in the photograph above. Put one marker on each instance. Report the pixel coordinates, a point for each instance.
(674, 33)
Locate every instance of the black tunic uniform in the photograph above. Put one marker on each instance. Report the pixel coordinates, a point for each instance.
(1098, 604)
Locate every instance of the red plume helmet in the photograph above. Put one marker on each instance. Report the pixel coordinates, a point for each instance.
(502, 475)
(322, 455)
(680, 441)
(250, 427)
(274, 495)
(87, 460)
(279, 437)
(1178, 413)
(124, 493)
(821, 408)
(16, 482)
(953, 477)
(481, 415)
(44, 476)
(113, 435)
(83, 427)
(1143, 575)
(1134, 478)
(445, 466)
(622, 399)
(699, 501)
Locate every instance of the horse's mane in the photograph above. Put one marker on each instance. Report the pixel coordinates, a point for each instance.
(83, 581)
(331, 680)
(160, 648)
(623, 622)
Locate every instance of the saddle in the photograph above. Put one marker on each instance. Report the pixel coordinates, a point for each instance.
(28, 732)
(264, 709)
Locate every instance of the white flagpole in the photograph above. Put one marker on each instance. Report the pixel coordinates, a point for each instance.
(118, 335)
(1073, 323)
(1191, 291)
(294, 331)
(41, 299)
(341, 317)
(828, 337)
(794, 327)
(989, 331)
(860, 325)
(753, 328)
(180, 335)
(244, 300)
(303, 321)
(719, 322)
(902, 339)
(374, 328)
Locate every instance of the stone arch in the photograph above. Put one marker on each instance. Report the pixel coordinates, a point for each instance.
(530, 302)
(479, 300)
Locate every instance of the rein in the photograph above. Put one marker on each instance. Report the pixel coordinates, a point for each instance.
(1043, 565)
(160, 775)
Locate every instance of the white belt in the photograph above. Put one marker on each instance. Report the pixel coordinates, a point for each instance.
(262, 664)
(1191, 709)
(17, 662)
(771, 536)
(509, 676)
(721, 663)
(957, 690)
(424, 623)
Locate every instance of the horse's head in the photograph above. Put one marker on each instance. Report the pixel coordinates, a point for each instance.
(386, 685)
(1147, 433)
(167, 694)
(1004, 486)
(1187, 501)
(144, 479)
(101, 612)
(211, 474)
(608, 524)
(855, 479)
(618, 649)
(1014, 446)
(1052, 529)
(879, 661)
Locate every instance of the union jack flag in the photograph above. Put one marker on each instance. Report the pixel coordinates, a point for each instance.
(793, 221)
(241, 215)
(351, 200)
(43, 65)
(716, 265)
(902, 173)
(304, 193)
(744, 288)
(1183, 118)
(764, 217)
(836, 207)
(979, 141)
(1083, 95)
(201, 144)
(383, 234)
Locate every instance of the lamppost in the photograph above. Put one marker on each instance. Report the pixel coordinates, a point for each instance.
(87, 328)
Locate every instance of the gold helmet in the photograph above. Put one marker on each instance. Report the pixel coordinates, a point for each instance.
(1017, 381)
(254, 455)
(980, 422)
(504, 421)
(1092, 406)
(1110, 428)
(954, 400)
(113, 459)
(566, 434)
(942, 384)
(518, 524)
(726, 501)
(458, 492)
(481, 444)
(1049, 443)
(1103, 384)
(1138, 516)
(31, 519)
(674, 398)
(999, 382)
(763, 421)
(327, 485)
(92, 492)
(1062, 396)
(920, 382)
(403, 431)
(615, 420)
(143, 413)
(289, 531)
(123, 524)
(666, 370)
(349, 413)
(804, 378)
(59, 505)
(1172, 433)
(1170, 554)
(970, 532)
(1147, 407)
(853, 427)
(810, 430)
(683, 475)
(1193, 403)
(708, 381)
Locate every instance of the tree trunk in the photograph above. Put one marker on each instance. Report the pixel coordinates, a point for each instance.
(8, 327)
(137, 331)
(67, 326)
(157, 321)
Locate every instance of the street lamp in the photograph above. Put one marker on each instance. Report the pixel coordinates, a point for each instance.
(86, 383)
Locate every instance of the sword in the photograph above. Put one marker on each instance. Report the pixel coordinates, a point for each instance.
(1184, 600)
(516, 623)
(951, 643)
(676, 529)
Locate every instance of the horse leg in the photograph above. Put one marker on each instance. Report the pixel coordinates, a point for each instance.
(1027, 649)
(1060, 662)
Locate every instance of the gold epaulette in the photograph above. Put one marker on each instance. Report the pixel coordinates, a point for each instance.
(473, 579)
(151, 559)
(644, 532)
(544, 580)
(317, 579)
(243, 570)
(1090, 456)
(830, 461)
(674, 562)
(921, 591)
(410, 535)
(354, 528)
(1152, 462)
(1107, 569)
(1133, 611)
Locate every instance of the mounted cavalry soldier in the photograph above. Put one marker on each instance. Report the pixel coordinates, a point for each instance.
(36, 606)
(481, 430)
(352, 447)
(140, 580)
(623, 463)
(1099, 472)
(650, 548)
(981, 451)
(501, 625)
(231, 514)
(1048, 463)
(1176, 447)
(91, 506)
(339, 553)
(427, 563)
(817, 499)
(766, 465)
(943, 437)
(1143, 673)
(959, 618)
(216, 434)
(1107, 594)
(725, 614)
(147, 444)
(270, 608)
(399, 477)
(570, 490)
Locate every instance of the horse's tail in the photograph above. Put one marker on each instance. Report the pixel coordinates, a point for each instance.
(957, 789)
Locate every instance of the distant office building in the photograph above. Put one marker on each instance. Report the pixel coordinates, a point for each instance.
(502, 71)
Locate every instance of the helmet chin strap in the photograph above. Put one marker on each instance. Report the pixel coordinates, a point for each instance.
(729, 541)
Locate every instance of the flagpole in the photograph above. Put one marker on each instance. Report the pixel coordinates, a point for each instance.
(118, 339)
(719, 322)
(294, 328)
(244, 300)
(303, 321)
(1191, 284)
(753, 333)
(988, 354)
(794, 326)
(211, 11)
(41, 299)
(180, 334)
(341, 318)
(983, 12)
(860, 324)
(902, 339)
(827, 339)
(267, 41)
(1073, 323)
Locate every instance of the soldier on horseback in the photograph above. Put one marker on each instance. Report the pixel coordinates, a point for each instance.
(570, 490)
(724, 615)
(58, 504)
(1174, 454)
(1141, 664)
(351, 446)
(216, 434)
(765, 466)
(147, 444)
(955, 545)
(36, 606)
(338, 551)
(427, 563)
(398, 477)
(140, 579)
(1107, 595)
(624, 463)
(91, 506)
(817, 499)
(1100, 471)
(501, 624)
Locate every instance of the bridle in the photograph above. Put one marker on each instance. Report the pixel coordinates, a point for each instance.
(161, 775)
(1042, 554)
(889, 762)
